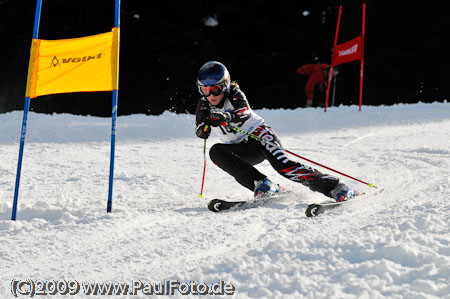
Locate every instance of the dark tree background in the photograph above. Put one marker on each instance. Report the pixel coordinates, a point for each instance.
(262, 42)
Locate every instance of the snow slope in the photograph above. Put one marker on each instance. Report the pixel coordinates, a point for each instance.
(394, 244)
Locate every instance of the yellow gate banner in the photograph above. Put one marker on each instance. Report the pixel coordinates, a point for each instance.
(82, 64)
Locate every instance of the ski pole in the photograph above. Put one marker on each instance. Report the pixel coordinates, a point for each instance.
(298, 156)
(204, 164)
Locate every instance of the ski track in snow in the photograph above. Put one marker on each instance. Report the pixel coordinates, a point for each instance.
(393, 244)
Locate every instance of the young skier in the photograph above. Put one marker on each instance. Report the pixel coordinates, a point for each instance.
(223, 106)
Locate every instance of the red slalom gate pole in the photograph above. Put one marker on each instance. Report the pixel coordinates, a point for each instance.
(362, 58)
(371, 185)
(330, 74)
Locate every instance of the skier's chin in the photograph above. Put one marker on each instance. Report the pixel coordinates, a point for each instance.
(215, 100)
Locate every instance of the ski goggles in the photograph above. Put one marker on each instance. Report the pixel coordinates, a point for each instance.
(214, 90)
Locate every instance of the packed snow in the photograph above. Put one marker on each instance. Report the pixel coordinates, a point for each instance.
(393, 243)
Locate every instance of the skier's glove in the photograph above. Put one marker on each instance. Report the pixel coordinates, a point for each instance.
(203, 131)
(217, 118)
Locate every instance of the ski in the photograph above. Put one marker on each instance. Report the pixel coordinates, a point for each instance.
(219, 205)
(315, 209)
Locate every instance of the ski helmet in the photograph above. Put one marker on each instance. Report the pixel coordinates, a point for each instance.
(213, 73)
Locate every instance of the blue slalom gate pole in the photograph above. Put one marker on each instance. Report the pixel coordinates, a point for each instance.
(113, 149)
(115, 96)
(26, 108)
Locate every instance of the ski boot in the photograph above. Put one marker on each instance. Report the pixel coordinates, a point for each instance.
(342, 193)
(265, 187)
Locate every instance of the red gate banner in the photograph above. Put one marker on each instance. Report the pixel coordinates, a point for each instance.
(348, 51)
